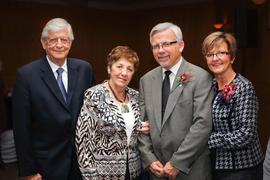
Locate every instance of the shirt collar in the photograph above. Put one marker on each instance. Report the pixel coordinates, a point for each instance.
(55, 66)
(175, 68)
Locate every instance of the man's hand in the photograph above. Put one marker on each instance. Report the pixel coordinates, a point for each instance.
(33, 177)
(170, 171)
(157, 168)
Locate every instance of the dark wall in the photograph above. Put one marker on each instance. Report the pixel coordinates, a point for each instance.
(96, 33)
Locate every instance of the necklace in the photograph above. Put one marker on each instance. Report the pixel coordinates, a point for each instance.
(123, 105)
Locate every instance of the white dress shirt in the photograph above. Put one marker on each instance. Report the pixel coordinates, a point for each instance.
(54, 67)
(174, 70)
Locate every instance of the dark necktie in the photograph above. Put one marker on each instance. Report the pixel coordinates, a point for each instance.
(60, 83)
(166, 87)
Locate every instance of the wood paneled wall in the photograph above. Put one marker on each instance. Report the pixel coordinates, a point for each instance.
(97, 32)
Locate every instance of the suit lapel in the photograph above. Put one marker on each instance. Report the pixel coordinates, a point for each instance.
(156, 95)
(72, 79)
(182, 69)
(176, 91)
(50, 81)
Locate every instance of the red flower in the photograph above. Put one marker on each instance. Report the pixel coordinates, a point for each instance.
(184, 78)
(228, 91)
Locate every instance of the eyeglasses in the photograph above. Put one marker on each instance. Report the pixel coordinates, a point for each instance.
(54, 41)
(163, 45)
(219, 54)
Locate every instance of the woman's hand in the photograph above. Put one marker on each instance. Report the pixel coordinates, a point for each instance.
(144, 127)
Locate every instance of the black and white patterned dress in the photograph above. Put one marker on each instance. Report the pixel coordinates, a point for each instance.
(234, 140)
(101, 139)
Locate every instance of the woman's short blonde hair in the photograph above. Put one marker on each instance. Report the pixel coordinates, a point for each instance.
(123, 52)
(215, 39)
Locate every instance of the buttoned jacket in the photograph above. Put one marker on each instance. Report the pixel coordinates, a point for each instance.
(234, 140)
(182, 136)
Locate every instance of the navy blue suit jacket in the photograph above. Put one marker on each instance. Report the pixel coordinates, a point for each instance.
(44, 124)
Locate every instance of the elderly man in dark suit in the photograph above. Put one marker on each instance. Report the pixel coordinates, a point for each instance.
(47, 98)
(176, 99)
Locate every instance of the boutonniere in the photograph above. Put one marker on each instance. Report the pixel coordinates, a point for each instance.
(184, 78)
(228, 91)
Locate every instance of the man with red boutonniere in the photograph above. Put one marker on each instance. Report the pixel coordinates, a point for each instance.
(110, 121)
(235, 147)
(175, 98)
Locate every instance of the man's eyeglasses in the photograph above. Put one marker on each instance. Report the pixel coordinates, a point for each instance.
(163, 45)
(54, 41)
(219, 54)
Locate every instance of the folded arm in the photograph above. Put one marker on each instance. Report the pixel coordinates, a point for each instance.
(245, 112)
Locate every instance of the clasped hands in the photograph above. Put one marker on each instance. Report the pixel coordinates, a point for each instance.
(159, 170)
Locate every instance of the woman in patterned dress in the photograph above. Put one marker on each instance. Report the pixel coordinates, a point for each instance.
(234, 141)
(109, 123)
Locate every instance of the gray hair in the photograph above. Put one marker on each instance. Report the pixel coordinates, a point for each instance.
(57, 24)
(164, 26)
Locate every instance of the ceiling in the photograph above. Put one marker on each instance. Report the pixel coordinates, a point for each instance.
(117, 4)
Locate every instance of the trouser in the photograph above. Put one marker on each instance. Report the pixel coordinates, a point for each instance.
(253, 173)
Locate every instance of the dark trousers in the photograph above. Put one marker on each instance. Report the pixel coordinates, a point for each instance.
(143, 176)
(254, 173)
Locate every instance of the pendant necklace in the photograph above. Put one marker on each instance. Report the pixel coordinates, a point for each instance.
(123, 106)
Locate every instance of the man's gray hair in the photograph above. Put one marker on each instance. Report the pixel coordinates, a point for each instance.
(164, 26)
(57, 24)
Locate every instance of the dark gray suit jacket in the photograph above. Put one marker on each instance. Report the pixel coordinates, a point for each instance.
(187, 124)
(44, 124)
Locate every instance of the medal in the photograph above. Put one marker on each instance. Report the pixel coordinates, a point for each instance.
(124, 108)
